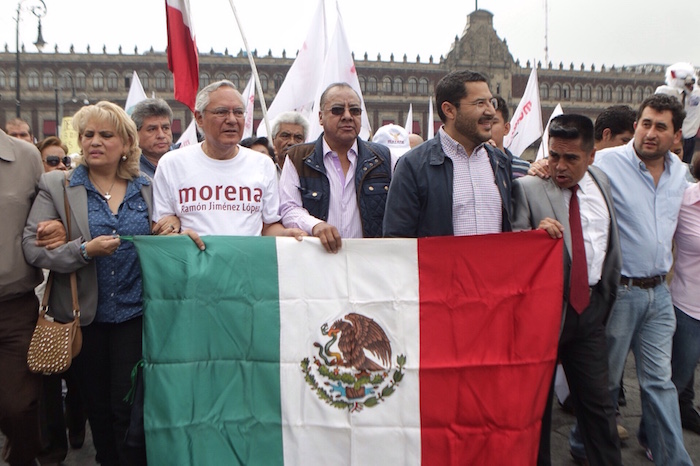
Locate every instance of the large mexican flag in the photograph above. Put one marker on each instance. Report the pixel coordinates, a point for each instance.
(270, 351)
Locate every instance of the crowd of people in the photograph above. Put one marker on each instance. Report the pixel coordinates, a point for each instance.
(612, 190)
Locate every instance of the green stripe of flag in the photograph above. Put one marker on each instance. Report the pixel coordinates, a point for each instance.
(202, 332)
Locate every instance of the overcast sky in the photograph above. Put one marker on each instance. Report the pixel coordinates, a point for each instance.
(595, 31)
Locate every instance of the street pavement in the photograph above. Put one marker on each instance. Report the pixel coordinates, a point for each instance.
(632, 453)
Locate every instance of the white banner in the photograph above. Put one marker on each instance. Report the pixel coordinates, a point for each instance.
(249, 102)
(543, 151)
(526, 124)
(136, 94)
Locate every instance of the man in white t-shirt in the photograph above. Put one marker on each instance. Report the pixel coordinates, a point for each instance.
(218, 187)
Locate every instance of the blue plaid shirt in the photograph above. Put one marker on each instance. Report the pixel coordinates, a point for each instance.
(119, 286)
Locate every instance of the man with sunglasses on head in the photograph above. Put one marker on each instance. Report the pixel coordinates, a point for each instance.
(453, 184)
(336, 187)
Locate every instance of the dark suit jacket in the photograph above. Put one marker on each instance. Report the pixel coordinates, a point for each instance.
(420, 197)
(535, 198)
(65, 259)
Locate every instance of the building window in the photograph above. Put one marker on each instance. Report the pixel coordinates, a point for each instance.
(13, 79)
(143, 76)
(639, 95)
(648, 91)
(33, 80)
(598, 93)
(64, 80)
(47, 80)
(372, 85)
(278, 79)
(220, 76)
(235, 80)
(170, 81)
(544, 91)
(264, 82)
(161, 81)
(79, 80)
(412, 86)
(386, 85)
(3, 80)
(204, 80)
(398, 86)
(127, 81)
(587, 93)
(566, 92)
(363, 84)
(619, 94)
(112, 81)
(607, 94)
(628, 94)
(98, 81)
(423, 86)
(556, 92)
(578, 92)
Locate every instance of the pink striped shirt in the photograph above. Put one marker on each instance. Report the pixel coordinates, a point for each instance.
(476, 202)
(343, 212)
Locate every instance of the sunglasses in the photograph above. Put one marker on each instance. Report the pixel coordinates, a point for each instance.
(54, 160)
(338, 111)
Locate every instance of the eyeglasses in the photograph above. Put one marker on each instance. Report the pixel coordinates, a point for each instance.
(339, 111)
(224, 112)
(54, 160)
(287, 136)
(481, 103)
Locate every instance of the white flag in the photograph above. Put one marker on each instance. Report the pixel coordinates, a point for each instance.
(299, 87)
(526, 124)
(189, 136)
(249, 100)
(409, 120)
(543, 151)
(338, 67)
(136, 94)
(431, 124)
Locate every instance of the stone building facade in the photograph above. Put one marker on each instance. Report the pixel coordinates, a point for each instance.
(57, 83)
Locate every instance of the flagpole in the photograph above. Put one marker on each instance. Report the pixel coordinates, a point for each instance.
(254, 69)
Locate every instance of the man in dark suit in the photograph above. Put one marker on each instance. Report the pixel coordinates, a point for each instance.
(591, 274)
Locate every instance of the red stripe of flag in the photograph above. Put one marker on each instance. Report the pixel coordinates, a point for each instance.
(183, 61)
(488, 346)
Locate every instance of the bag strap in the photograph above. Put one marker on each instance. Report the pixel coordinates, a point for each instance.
(47, 292)
(73, 279)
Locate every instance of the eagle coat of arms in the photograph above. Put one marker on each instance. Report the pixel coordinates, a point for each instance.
(353, 368)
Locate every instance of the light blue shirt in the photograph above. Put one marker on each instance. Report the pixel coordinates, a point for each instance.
(646, 214)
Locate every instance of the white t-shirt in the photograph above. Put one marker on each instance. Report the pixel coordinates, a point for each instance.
(217, 197)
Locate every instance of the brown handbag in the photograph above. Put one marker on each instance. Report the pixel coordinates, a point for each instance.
(54, 345)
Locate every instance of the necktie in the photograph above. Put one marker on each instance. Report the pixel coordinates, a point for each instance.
(579, 296)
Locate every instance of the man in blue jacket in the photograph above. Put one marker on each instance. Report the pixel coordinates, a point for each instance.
(453, 184)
